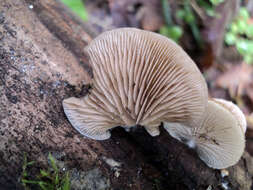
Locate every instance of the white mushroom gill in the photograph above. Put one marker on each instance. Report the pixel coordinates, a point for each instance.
(235, 110)
(140, 78)
(219, 140)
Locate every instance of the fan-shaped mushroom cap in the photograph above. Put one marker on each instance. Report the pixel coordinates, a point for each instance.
(219, 140)
(140, 77)
(235, 110)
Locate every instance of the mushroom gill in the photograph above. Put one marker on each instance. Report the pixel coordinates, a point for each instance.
(140, 78)
(219, 139)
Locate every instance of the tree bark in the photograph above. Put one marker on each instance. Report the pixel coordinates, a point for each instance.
(41, 63)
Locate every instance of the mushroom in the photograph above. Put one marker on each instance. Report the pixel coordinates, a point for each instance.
(140, 78)
(235, 110)
(219, 139)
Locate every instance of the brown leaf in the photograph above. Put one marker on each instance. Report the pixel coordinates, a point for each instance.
(150, 20)
(237, 80)
(206, 60)
(136, 13)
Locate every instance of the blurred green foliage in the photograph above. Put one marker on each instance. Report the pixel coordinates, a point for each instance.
(189, 17)
(209, 7)
(174, 32)
(240, 34)
(169, 29)
(187, 14)
(216, 2)
(78, 7)
(50, 179)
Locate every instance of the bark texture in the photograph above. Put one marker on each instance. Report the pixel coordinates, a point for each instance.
(41, 63)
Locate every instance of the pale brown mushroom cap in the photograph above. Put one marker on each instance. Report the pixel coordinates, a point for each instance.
(140, 77)
(235, 110)
(219, 140)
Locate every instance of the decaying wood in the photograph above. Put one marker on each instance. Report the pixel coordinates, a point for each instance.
(41, 63)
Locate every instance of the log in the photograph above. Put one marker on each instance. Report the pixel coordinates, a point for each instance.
(41, 63)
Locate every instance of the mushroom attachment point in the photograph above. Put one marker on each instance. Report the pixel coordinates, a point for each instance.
(220, 138)
(140, 78)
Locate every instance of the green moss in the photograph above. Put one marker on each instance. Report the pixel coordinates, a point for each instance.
(240, 35)
(50, 178)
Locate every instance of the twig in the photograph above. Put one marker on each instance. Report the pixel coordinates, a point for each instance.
(197, 9)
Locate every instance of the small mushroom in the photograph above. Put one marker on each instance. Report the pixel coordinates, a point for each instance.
(235, 110)
(140, 78)
(219, 139)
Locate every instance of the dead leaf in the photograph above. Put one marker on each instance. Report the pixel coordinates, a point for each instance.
(149, 19)
(237, 80)
(143, 14)
(206, 60)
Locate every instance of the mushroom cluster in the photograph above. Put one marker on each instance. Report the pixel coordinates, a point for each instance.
(143, 78)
